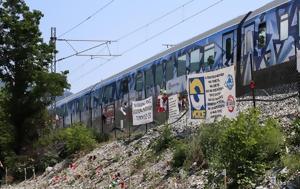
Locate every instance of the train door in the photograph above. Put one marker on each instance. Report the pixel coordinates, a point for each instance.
(123, 105)
(149, 83)
(139, 85)
(228, 50)
(247, 66)
(124, 91)
(96, 110)
(108, 108)
(159, 86)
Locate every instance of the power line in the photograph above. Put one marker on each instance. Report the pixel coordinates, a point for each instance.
(86, 61)
(171, 27)
(154, 36)
(86, 19)
(154, 20)
(144, 26)
(78, 53)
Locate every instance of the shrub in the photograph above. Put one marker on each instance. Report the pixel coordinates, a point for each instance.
(194, 152)
(68, 140)
(248, 147)
(245, 147)
(164, 141)
(17, 164)
(294, 138)
(187, 153)
(209, 141)
(78, 137)
(139, 162)
(179, 155)
(292, 162)
(49, 158)
(100, 137)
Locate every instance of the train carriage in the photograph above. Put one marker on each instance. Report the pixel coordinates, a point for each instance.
(263, 45)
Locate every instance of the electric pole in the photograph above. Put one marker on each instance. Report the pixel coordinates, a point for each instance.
(53, 42)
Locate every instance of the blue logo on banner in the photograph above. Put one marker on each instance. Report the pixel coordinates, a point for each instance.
(229, 83)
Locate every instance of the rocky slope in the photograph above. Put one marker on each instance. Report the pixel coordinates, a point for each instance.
(128, 164)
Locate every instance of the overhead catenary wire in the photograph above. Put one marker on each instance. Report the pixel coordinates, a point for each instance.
(86, 19)
(71, 46)
(88, 49)
(154, 21)
(152, 37)
(144, 26)
(88, 60)
(171, 27)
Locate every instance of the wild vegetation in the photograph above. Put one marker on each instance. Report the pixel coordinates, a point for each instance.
(164, 141)
(245, 147)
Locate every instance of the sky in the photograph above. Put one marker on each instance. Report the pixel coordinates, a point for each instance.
(121, 17)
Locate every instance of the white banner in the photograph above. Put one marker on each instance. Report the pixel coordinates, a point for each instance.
(212, 95)
(173, 108)
(142, 111)
(298, 60)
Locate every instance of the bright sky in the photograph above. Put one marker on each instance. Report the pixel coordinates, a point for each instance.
(121, 17)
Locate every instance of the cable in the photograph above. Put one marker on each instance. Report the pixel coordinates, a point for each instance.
(80, 66)
(153, 36)
(171, 27)
(89, 17)
(77, 53)
(71, 46)
(146, 25)
(154, 20)
(86, 61)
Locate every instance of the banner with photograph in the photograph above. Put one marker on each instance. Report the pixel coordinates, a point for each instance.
(212, 95)
(142, 111)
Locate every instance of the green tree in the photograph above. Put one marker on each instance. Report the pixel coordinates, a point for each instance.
(6, 134)
(24, 69)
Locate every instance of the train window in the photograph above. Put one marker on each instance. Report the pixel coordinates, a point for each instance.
(299, 22)
(262, 35)
(108, 94)
(209, 54)
(181, 65)
(169, 70)
(195, 60)
(139, 82)
(228, 49)
(284, 27)
(100, 95)
(149, 78)
(159, 75)
(124, 86)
